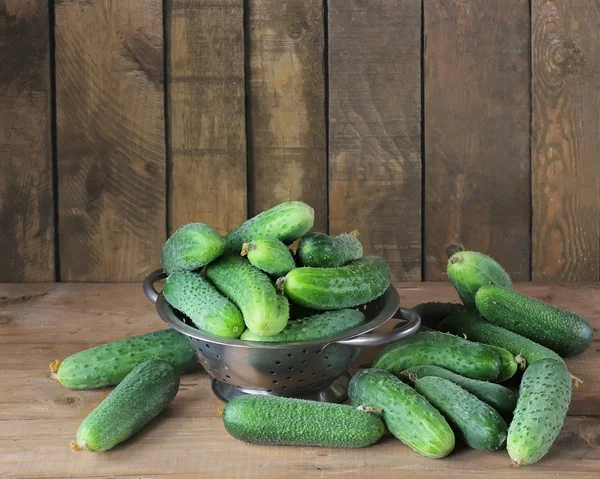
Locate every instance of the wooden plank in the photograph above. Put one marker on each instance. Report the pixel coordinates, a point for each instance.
(375, 128)
(566, 140)
(286, 109)
(26, 197)
(207, 144)
(477, 150)
(39, 417)
(111, 147)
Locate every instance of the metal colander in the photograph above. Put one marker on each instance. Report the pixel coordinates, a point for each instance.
(314, 369)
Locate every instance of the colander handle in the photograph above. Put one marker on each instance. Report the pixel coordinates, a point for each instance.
(148, 285)
(408, 329)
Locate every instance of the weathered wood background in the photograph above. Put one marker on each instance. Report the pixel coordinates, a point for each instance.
(426, 124)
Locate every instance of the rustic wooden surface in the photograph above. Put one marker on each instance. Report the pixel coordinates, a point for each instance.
(110, 140)
(476, 113)
(26, 197)
(287, 158)
(38, 417)
(375, 128)
(206, 112)
(565, 140)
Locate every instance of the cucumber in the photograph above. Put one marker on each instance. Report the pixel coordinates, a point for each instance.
(108, 364)
(269, 255)
(298, 422)
(468, 271)
(356, 283)
(473, 360)
(476, 423)
(509, 363)
(252, 292)
(499, 397)
(286, 222)
(433, 313)
(558, 329)
(210, 311)
(191, 247)
(318, 326)
(544, 397)
(323, 251)
(407, 414)
(144, 393)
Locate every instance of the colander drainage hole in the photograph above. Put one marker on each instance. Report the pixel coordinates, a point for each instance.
(326, 357)
(289, 378)
(301, 371)
(269, 390)
(228, 376)
(207, 345)
(224, 380)
(323, 375)
(318, 351)
(284, 387)
(328, 366)
(272, 373)
(275, 381)
(289, 355)
(290, 368)
(219, 357)
(300, 381)
(200, 349)
(303, 361)
(313, 374)
(304, 351)
(278, 363)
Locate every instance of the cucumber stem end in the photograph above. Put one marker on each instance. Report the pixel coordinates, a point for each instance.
(279, 284)
(76, 447)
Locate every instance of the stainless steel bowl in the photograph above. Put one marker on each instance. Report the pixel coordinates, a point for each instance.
(308, 369)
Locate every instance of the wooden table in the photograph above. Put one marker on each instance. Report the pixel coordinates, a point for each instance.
(38, 417)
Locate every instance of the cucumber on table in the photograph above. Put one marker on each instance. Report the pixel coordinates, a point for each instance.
(144, 393)
(252, 292)
(323, 251)
(298, 422)
(544, 397)
(321, 325)
(469, 270)
(347, 286)
(407, 414)
(191, 247)
(208, 309)
(269, 255)
(563, 331)
(476, 423)
(108, 364)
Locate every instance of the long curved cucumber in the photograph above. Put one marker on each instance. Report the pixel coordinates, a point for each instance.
(191, 247)
(323, 251)
(269, 255)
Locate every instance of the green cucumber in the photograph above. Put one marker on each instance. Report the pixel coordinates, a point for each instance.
(407, 414)
(140, 397)
(286, 222)
(473, 360)
(433, 313)
(476, 423)
(269, 255)
(323, 251)
(510, 364)
(252, 292)
(321, 325)
(347, 286)
(108, 364)
(210, 311)
(191, 247)
(468, 271)
(499, 397)
(298, 422)
(544, 397)
(563, 331)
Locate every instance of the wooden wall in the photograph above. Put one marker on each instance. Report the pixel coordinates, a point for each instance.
(426, 124)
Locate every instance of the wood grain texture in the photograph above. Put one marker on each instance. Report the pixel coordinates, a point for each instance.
(477, 145)
(207, 143)
(566, 140)
(39, 417)
(26, 197)
(111, 147)
(375, 128)
(286, 91)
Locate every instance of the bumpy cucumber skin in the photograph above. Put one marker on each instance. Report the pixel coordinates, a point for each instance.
(469, 270)
(407, 414)
(563, 331)
(144, 393)
(433, 313)
(323, 251)
(509, 364)
(544, 397)
(499, 397)
(251, 291)
(108, 364)
(476, 423)
(269, 255)
(285, 222)
(473, 360)
(208, 309)
(191, 247)
(298, 422)
(317, 326)
(356, 283)
(475, 328)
